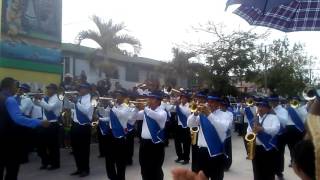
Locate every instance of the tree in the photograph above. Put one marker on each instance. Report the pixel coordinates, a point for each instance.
(109, 37)
(228, 54)
(284, 66)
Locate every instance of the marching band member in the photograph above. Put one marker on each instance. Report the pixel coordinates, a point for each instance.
(80, 134)
(25, 105)
(212, 134)
(228, 117)
(11, 116)
(266, 127)
(201, 99)
(182, 140)
(252, 109)
(50, 146)
(168, 107)
(294, 127)
(282, 115)
(25, 102)
(151, 153)
(120, 114)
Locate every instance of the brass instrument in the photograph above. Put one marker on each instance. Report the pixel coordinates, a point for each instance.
(250, 102)
(294, 103)
(309, 93)
(194, 135)
(63, 94)
(32, 94)
(251, 145)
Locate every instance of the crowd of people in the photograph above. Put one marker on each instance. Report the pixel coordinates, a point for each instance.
(200, 122)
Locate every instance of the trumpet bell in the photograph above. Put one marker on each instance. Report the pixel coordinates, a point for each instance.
(309, 93)
(250, 102)
(294, 103)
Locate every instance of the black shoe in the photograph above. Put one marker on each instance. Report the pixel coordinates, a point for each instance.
(178, 160)
(185, 162)
(50, 168)
(290, 165)
(84, 174)
(43, 167)
(75, 173)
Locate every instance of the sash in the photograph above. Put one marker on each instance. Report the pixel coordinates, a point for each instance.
(296, 119)
(182, 118)
(215, 146)
(104, 126)
(157, 134)
(82, 118)
(130, 127)
(49, 114)
(267, 141)
(117, 129)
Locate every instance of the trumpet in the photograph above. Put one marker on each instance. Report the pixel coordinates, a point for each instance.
(96, 101)
(250, 102)
(34, 94)
(294, 103)
(309, 93)
(63, 94)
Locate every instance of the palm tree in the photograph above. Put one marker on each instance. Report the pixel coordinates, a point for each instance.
(108, 36)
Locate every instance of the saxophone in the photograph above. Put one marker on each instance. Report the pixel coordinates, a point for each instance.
(251, 145)
(250, 139)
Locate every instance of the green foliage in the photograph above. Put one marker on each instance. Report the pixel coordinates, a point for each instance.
(285, 67)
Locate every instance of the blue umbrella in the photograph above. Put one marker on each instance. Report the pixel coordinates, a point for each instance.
(263, 5)
(298, 15)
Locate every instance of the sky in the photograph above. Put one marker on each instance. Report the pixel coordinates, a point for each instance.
(162, 24)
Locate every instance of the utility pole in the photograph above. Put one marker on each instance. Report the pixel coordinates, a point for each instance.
(265, 68)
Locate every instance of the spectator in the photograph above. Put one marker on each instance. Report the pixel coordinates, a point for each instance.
(83, 77)
(304, 160)
(94, 91)
(68, 84)
(118, 87)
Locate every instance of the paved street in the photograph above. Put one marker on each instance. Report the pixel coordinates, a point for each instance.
(241, 168)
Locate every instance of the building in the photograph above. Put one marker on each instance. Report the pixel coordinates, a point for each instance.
(30, 41)
(129, 70)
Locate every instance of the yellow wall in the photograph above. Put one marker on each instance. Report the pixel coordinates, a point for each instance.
(30, 76)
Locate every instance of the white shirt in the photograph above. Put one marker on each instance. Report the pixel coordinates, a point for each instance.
(124, 114)
(26, 105)
(184, 110)
(253, 110)
(271, 125)
(226, 116)
(217, 120)
(159, 115)
(84, 105)
(36, 112)
(282, 115)
(54, 105)
(302, 112)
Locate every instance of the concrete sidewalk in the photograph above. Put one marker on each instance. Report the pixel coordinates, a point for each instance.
(241, 168)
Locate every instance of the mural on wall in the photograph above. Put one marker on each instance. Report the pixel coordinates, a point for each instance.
(34, 18)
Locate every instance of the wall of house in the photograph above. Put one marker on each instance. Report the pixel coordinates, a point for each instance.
(76, 65)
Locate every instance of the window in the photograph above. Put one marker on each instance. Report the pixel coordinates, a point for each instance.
(132, 73)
